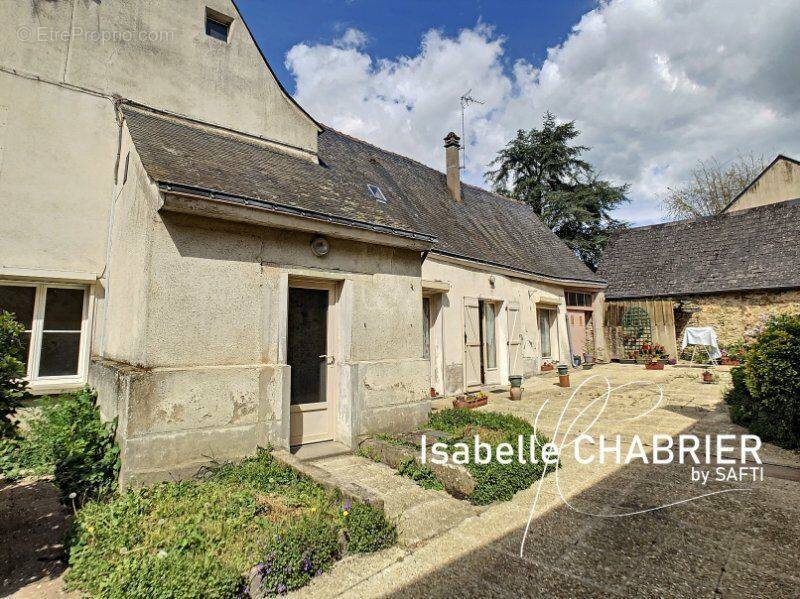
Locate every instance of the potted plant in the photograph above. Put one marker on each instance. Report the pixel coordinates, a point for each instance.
(654, 364)
(563, 375)
(708, 376)
(546, 366)
(515, 380)
(471, 400)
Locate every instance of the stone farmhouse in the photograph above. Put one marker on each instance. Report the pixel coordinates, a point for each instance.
(227, 272)
(729, 271)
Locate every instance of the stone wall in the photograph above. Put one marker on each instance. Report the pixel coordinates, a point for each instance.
(732, 314)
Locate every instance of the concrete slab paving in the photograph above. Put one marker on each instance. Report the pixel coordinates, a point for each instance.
(734, 544)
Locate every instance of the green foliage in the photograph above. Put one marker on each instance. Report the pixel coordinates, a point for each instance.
(419, 473)
(81, 446)
(198, 538)
(12, 371)
(541, 168)
(493, 481)
(69, 440)
(766, 389)
(368, 529)
(297, 554)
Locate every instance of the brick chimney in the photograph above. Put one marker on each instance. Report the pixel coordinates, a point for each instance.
(451, 145)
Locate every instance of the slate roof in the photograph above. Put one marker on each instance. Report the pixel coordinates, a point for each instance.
(484, 226)
(745, 250)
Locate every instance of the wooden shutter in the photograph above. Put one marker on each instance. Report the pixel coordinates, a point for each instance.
(472, 342)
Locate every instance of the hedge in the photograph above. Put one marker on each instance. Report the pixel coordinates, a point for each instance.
(765, 396)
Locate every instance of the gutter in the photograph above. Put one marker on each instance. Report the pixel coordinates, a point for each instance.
(216, 196)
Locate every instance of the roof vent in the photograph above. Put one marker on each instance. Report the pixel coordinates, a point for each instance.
(376, 193)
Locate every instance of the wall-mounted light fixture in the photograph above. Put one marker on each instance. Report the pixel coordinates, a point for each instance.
(320, 246)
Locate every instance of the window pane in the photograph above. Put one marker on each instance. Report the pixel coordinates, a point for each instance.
(19, 301)
(63, 310)
(491, 354)
(59, 354)
(217, 30)
(26, 346)
(426, 327)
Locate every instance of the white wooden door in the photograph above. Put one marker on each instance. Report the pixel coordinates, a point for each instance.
(472, 342)
(310, 355)
(514, 339)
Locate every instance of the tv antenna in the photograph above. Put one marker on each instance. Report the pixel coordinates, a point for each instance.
(466, 100)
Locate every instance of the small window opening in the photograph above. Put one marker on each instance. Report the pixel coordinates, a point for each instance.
(218, 25)
(376, 193)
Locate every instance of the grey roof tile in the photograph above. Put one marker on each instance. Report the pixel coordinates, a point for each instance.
(743, 250)
(484, 226)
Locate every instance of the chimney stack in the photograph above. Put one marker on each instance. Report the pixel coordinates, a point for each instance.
(452, 143)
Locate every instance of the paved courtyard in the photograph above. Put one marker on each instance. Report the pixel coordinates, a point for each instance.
(744, 543)
(734, 544)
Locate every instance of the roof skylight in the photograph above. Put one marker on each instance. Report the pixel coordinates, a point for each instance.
(376, 193)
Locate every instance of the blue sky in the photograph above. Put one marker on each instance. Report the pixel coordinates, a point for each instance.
(654, 86)
(395, 28)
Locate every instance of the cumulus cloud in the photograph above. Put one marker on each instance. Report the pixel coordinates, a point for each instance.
(653, 85)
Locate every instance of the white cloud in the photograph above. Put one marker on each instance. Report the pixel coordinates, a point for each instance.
(653, 85)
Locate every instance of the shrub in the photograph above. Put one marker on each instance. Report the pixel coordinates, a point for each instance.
(68, 439)
(765, 395)
(12, 373)
(493, 481)
(85, 456)
(368, 529)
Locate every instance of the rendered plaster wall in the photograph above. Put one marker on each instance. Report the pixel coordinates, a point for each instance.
(205, 374)
(732, 315)
(781, 182)
(58, 150)
(447, 347)
(155, 52)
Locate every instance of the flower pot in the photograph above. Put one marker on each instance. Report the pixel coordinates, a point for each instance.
(546, 367)
(515, 380)
(470, 405)
(433, 392)
(654, 366)
(515, 393)
(563, 380)
(708, 377)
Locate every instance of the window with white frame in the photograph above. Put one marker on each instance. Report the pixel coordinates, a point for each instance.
(55, 320)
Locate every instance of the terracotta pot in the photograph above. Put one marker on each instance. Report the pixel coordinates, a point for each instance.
(547, 367)
(654, 366)
(516, 393)
(708, 377)
(433, 392)
(462, 403)
(563, 380)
